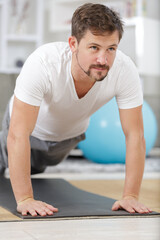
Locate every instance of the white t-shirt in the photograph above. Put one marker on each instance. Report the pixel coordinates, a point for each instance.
(46, 81)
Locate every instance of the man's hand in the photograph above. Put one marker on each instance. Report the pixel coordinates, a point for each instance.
(35, 207)
(131, 205)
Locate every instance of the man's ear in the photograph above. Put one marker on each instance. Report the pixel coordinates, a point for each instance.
(73, 43)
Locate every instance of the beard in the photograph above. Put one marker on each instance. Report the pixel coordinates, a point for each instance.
(100, 76)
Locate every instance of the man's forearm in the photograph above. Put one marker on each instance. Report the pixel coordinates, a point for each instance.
(19, 167)
(135, 159)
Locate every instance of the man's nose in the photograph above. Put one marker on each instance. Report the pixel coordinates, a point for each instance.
(102, 59)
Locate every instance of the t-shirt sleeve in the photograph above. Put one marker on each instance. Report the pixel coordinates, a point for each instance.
(129, 90)
(33, 81)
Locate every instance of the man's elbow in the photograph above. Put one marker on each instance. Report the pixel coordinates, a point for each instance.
(143, 143)
(136, 138)
(14, 138)
(10, 139)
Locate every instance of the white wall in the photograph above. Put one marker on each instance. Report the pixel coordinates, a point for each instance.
(153, 9)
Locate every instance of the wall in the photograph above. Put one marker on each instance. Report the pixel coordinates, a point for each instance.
(153, 9)
(7, 83)
(151, 84)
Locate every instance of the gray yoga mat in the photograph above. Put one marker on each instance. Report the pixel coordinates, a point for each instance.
(71, 201)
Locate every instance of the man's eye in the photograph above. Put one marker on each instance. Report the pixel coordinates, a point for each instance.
(111, 49)
(94, 48)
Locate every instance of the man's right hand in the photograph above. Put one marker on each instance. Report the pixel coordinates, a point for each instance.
(35, 207)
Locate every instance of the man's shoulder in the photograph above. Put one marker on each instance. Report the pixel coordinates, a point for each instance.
(53, 45)
(122, 65)
(123, 59)
(53, 51)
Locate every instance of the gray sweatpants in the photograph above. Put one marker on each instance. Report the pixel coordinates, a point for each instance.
(43, 153)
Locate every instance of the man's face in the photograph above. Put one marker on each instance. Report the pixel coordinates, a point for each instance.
(95, 54)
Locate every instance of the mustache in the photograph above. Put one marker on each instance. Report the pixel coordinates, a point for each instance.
(104, 67)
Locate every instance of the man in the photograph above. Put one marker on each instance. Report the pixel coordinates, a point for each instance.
(60, 86)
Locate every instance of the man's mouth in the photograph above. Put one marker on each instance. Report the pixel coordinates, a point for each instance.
(100, 67)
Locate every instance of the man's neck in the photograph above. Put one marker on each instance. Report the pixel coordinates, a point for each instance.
(78, 74)
(81, 81)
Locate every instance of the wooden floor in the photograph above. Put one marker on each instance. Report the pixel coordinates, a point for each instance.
(150, 190)
(111, 228)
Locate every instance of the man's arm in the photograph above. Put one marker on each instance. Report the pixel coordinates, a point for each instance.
(22, 123)
(132, 125)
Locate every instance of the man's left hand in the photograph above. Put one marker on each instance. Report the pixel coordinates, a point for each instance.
(131, 205)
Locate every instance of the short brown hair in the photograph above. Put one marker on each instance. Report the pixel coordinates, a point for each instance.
(97, 18)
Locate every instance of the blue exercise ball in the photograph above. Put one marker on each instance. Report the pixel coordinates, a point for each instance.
(105, 140)
(150, 127)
